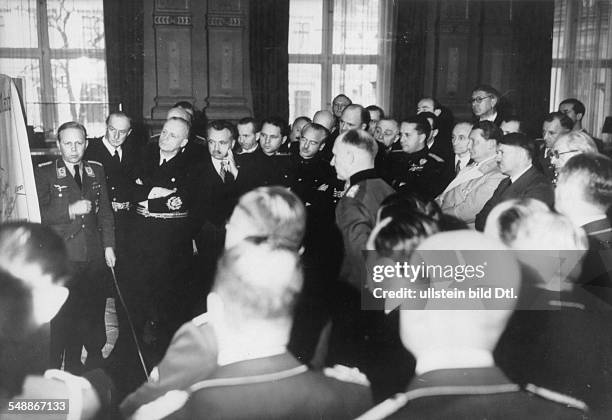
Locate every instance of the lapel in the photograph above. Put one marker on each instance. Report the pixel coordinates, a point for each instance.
(521, 183)
(64, 177)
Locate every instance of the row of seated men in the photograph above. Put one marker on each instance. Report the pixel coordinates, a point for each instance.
(233, 361)
(174, 201)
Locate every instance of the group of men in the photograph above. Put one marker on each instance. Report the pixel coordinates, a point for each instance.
(157, 214)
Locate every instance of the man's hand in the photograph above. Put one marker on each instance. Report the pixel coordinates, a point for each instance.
(157, 192)
(109, 256)
(79, 208)
(232, 164)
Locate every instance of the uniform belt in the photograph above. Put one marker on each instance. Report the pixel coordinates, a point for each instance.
(120, 206)
(146, 213)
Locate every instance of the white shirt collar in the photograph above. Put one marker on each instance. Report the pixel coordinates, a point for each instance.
(70, 167)
(111, 149)
(251, 150)
(490, 117)
(217, 164)
(517, 176)
(454, 358)
(464, 160)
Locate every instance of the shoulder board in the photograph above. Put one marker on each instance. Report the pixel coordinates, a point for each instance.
(556, 397)
(40, 165)
(95, 162)
(200, 319)
(163, 406)
(435, 157)
(248, 380)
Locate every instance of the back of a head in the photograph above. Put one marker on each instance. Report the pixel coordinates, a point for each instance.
(451, 330)
(545, 230)
(404, 229)
(258, 280)
(594, 172)
(268, 212)
(505, 219)
(361, 140)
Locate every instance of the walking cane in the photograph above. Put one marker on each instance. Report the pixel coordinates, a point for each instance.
(130, 324)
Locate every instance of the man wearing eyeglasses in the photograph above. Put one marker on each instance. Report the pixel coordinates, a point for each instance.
(568, 145)
(387, 135)
(484, 102)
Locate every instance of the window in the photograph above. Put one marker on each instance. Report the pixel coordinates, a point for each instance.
(582, 58)
(335, 46)
(56, 49)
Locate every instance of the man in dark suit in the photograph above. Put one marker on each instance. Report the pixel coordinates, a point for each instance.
(119, 158)
(515, 153)
(555, 125)
(276, 167)
(456, 374)
(251, 309)
(73, 200)
(223, 179)
(485, 100)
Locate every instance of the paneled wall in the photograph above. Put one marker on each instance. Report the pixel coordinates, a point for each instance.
(196, 50)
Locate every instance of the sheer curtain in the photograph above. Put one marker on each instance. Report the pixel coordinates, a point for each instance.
(55, 51)
(582, 58)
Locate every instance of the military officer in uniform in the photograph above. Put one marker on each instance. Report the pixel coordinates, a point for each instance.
(277, 168)
(315, 184)
(161, 238)
(354, 153)
(74, 201)
(414, 169)
(456, 372)
(251, 309)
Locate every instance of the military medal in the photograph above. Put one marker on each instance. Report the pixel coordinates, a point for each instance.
(89, 171)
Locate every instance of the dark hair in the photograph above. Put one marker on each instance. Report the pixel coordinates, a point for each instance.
(277, 122)
(377, 109)
(490, 131)
(118, 114)
(220, 125)
(488, 89)
(249, 120)
(184, 105)
(577, 106)
(436, 103)
(317, 128)
(516, 118)
(519, 140)
(360, 139)
(365, 114)
(302, 117)
(411, 201)
(422, 125)
(71, 124)
(409, 225)
(596, 169)
(565, 121)
(434, 119)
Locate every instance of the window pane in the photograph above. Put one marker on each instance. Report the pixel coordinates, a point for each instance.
(80, 92)
(304, 90)
(356, 26)
(29, 73)
(305, 26)
(357, 81)
(18, 24)
(75, 24)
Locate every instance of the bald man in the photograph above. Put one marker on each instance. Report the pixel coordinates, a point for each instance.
(456, 373)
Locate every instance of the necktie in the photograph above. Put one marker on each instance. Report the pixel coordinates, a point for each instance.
(503, 186)
(226, 174)
(458, 167)
(163, 162)
(77, 176)
(116, 157)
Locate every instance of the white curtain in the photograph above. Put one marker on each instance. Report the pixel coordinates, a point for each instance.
(582, 58)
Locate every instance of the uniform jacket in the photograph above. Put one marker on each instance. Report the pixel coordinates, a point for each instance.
(119, 177)
(465, 196)
(85, 236)
(532, 184)
(275, 387)
(476, 393)
(421, 173)
(356, 217)
(190, 358)
(596, 273)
